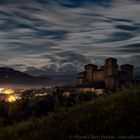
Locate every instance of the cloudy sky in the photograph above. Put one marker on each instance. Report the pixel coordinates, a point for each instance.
(52, 36)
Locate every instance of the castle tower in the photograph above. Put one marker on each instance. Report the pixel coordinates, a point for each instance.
(90, 68)
(111, 67)
(111, 71)
(127, 70)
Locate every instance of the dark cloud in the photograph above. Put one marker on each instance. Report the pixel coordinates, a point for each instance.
(78, 3)
(126, 27)
(44, 36)
(65, 68)
(133, 46)
(119, 36)
(121, 20)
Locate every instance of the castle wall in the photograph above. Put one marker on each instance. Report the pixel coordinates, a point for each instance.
(90, 75)
(122, 76)
(87, 89)
(99, 91)
(128, 71)
(99, 75)
(108, 73)
(90, 68)
(102, 67)
(112, 82)
(96, 91)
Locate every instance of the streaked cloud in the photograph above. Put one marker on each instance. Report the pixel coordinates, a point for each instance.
(41, 36)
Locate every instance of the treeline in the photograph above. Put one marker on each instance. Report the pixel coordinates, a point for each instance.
(110, 115)
(32, 106)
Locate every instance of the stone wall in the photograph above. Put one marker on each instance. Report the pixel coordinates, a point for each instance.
(128, 71)
(99, 75)
(90, 68)
(112, 82)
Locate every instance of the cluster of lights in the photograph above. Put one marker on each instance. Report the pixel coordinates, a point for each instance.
(41, 94)
(11, 97)
(7, 91)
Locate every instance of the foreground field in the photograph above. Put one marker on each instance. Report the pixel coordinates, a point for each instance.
(110, 115)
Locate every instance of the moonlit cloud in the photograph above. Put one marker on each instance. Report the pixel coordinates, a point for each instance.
(44, 36)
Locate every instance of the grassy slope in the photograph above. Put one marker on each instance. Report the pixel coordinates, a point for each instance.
(117, 114)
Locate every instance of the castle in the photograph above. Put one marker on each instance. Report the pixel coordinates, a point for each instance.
(109, 76)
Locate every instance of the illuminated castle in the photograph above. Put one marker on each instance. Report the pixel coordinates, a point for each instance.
(109, 76)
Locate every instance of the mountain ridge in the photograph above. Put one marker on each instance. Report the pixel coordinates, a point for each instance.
(15, 78)
(11, 77)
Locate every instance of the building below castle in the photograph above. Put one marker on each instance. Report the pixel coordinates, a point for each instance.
(108, 76)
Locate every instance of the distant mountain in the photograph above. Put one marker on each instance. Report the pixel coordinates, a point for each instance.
(16, 79)
(8, 74)
(13, 78)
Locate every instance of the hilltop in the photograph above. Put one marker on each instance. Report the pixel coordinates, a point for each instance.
(14, 78)
(17, 79)
(108, 115)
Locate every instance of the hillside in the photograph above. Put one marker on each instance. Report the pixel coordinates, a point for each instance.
(108, 115)
(14, 78)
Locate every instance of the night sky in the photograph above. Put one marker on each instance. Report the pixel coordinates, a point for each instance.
(61, 36)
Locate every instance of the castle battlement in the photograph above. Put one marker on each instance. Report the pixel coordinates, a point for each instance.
(111, 74)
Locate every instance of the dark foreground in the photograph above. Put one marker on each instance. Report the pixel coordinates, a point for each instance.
(112, 115)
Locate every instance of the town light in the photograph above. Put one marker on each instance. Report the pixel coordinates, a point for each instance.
(10, 95)
(9, 91)
(11, 98)
(6, 91)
